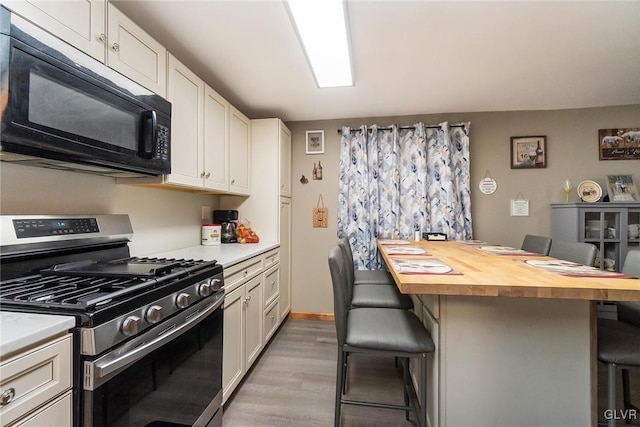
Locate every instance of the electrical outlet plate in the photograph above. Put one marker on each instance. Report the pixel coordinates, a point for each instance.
(206, 214)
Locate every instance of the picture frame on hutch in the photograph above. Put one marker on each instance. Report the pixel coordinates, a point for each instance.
(528, 152)
(622, 188)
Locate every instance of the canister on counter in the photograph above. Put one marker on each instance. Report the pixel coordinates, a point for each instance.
(211, 234)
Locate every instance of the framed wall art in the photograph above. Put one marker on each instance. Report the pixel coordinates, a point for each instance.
(315, 142)
(528, 152)
(622, 188)
(619, 144)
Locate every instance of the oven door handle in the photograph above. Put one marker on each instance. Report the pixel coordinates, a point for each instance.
(96, 372)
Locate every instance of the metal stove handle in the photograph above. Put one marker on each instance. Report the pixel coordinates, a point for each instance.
(97, 372)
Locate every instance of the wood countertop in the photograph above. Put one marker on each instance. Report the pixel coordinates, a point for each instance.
(487, 274)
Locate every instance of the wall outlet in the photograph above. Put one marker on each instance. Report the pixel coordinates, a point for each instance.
(206, 214)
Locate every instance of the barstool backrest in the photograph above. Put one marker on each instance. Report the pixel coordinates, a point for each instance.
(632, 263)
(582, 253)
(340, 292)
(629, 311)
(536, 244)
(344, 244)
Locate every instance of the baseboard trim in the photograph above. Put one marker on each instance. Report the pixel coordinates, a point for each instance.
(311, 316)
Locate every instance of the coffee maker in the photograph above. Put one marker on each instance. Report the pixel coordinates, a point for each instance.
(228, 220)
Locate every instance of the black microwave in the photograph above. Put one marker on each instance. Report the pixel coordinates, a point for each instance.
(62, 109)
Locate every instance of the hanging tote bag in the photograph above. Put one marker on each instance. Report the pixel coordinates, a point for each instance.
(320, 214)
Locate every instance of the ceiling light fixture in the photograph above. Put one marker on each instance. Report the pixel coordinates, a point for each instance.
(322, 27)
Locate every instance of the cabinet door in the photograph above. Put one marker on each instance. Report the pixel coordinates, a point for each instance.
(239, 153)
(285, 161)
(79, 23)
(233, 341)
(135, 53)
(253, 320)
(58, 413)
(216, 141)
(285, 256)
(186, 94)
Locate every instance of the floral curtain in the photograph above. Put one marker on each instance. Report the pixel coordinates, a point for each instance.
(395, 181)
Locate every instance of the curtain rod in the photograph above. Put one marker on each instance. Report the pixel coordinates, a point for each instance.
(409, 127)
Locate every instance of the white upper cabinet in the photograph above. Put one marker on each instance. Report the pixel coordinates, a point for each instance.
(135, 54)
(240, 153)
(185, 91)
(105, 33)
(216, 141)
(285, 161)
(81, 24)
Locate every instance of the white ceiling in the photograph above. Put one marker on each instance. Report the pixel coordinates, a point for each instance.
(410, 57)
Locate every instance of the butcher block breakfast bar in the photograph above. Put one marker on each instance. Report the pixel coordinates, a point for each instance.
(515, 331)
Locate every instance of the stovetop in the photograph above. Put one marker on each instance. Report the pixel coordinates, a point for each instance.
(89, 287)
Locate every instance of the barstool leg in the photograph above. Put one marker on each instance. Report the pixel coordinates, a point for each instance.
(422, 414)
(626, 393)
(339, 385)
(611, 394)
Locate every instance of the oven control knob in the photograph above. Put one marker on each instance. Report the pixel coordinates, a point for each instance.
(183, 300)
(216, 284)
(130, 325)
(204, 289)
(154, 314)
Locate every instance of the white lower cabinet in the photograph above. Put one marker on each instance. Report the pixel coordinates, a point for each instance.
(427, 310)
(55, 414)
(251, 314)
(39, 383)
(242, 334)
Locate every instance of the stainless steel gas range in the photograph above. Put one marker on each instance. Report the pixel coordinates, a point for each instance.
(148, 336)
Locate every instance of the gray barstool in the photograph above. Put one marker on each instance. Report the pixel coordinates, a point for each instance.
(375, 277)
(378, 331)
(536, 244)
(619, 343)
(379, 294)
(582, 253)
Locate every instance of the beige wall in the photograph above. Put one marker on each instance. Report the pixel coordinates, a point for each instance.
(572, 153)
(162, 219)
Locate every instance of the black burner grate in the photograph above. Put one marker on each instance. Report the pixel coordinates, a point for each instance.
(81, 293)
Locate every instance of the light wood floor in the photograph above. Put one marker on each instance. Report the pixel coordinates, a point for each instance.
(293, 384)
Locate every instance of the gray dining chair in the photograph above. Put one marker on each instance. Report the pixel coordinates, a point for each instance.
(536, 244)
(579, 252)
(619, 344)
(380, 332)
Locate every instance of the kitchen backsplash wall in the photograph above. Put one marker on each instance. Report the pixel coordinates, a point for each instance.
(162, 219)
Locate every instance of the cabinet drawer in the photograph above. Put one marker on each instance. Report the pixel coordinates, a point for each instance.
(35, 377)
(271, 285)
(239, 273)
(271, 258)
(271, 318)
(55, 414)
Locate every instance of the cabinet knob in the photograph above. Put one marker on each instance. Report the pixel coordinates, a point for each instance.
(7, 396)
(115, 47)
(201, 174)
(208, 175)
(233, 181)
(102, 37)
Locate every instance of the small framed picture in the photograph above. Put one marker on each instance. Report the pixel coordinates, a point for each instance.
(315, 142)
(622, 188)
(528, 152)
